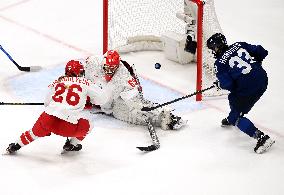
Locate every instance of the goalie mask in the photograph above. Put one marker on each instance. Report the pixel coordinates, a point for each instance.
(74, 69)
(111, 63)
(218, 44)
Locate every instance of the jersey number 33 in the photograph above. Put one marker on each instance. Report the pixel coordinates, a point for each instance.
(242, 61)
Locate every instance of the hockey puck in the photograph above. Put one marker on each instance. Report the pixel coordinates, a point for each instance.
(157, 65)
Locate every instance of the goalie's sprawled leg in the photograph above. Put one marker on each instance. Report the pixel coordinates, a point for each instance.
(131, 112)
(154, 137)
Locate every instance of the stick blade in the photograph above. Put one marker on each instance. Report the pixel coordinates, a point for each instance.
(29, 68)
(146, 109)
(148, 148)
(35, 68)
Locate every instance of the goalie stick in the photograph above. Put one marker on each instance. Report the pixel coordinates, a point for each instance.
(21, 68)
(150, 126)
(154, 137)
(36, 103)
(175, 100)
(131, 71)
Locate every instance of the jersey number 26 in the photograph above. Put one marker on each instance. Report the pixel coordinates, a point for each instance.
(72, 98)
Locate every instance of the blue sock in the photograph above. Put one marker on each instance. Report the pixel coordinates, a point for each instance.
(246, 126)
(233, 116)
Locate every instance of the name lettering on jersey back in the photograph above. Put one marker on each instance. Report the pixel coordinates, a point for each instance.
(228, 53)
(79, 80)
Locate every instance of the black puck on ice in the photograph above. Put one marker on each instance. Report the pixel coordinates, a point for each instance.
(157, 65)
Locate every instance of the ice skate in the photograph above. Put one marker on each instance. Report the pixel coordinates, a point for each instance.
(68, 147)
(176, 122)
(12, 148)
(264, 142)
(225, 123)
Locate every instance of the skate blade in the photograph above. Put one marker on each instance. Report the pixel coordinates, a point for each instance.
(64, 152)
(266, 146)
(67, 153)
(226, 126)
(5, 153)
(8, 153)
(180, 125)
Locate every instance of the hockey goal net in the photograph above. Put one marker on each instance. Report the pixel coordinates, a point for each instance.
(134, 25)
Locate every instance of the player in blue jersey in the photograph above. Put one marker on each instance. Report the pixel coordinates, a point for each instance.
(239, 70)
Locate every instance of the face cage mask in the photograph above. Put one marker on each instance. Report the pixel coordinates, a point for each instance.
(218, 51)
(82, 74)
(108, 70)
(214, 52)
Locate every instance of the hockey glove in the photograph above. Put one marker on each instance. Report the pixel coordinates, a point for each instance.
(217, 85)
(190, 45)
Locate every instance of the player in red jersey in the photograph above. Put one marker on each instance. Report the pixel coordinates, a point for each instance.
(64, 114)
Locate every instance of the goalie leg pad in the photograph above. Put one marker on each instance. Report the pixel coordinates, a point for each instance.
(131, 111)
(165, 117)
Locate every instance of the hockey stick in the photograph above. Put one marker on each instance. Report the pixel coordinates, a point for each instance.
(175, 100)
(151, 129)
(21, 68)
(131, 71)
(154, 137)
(21, 104)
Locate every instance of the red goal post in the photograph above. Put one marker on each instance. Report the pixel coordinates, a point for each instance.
(199, 63)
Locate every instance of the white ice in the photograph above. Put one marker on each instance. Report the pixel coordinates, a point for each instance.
(202, 158)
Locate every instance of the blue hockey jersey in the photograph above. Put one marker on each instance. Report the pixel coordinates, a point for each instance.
(239, 69)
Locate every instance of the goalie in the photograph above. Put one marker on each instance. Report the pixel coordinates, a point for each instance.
(127, 102)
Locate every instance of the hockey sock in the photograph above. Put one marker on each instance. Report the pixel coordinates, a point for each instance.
(74, 141)
(233, 116)
(26, 138)
(246, 126)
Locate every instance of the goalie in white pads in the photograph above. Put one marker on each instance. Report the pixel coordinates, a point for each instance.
(128, 99)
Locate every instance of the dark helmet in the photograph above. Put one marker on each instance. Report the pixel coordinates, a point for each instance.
(218, 44)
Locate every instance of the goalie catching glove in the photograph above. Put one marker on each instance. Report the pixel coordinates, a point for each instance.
(190, 45)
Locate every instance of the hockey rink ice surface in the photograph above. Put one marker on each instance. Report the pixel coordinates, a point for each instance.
(201, 158)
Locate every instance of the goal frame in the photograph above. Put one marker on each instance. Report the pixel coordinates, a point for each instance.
(199, 63)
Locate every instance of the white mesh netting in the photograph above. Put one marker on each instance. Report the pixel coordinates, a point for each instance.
(130, 18)
(147, 20)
